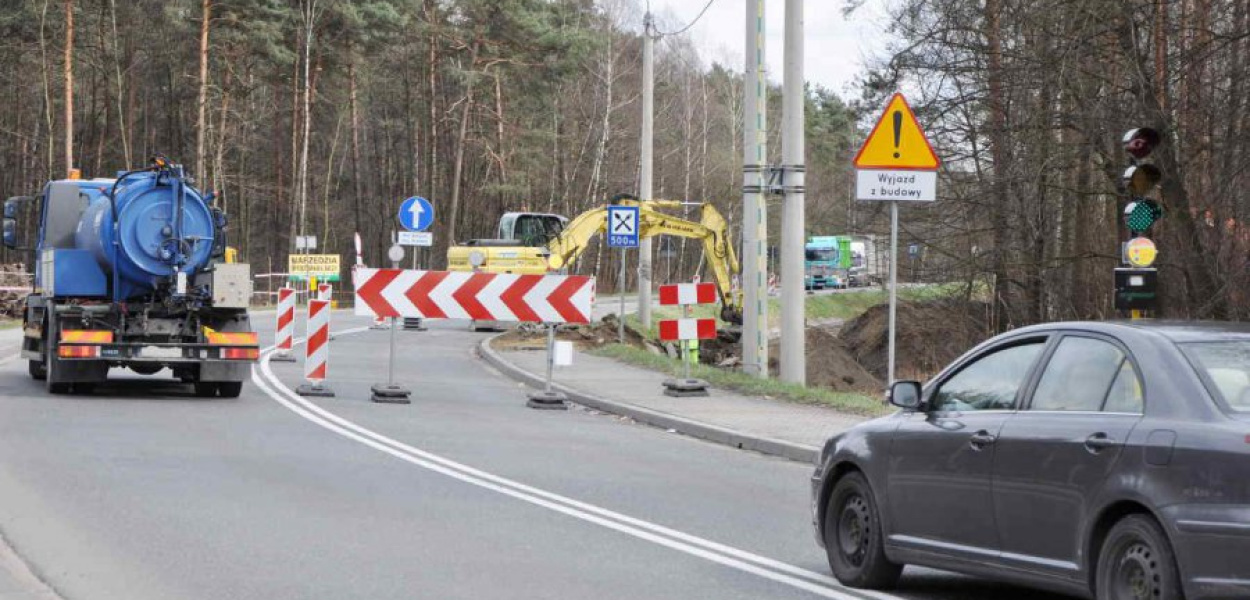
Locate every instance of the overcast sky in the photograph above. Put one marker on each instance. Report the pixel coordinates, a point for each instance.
(835, 50)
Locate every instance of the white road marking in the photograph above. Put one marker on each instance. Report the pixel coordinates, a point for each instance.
(777, 571)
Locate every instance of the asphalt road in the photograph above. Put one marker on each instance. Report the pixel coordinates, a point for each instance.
(143, 491)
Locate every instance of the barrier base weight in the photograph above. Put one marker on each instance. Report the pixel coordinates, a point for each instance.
(682, 388)
(316, 390)
(390, 394)
(547, 401)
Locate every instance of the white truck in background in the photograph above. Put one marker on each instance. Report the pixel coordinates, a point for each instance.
(869, 261)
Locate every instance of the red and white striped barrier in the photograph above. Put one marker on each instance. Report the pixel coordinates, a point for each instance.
(673, 330)
(316, 349)
(286, 325)
(477, 296)
(684, 330)
(325, 291)
(688, 293)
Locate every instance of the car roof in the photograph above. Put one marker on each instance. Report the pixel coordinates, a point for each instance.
(1178, 331)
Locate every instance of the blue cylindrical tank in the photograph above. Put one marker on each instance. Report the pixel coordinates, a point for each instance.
(155, 244)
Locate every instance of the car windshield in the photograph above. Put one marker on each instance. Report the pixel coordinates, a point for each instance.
(823, 254)
(1227, 368)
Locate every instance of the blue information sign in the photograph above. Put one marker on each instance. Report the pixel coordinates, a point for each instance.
(623, 226)
(416, 214)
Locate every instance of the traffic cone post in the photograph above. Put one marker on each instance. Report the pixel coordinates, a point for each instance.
(391, 392)
(286, 326)
(317, 350)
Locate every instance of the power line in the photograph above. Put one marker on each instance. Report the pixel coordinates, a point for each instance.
(688, 25)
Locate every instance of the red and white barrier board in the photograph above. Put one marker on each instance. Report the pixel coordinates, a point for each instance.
(673, 330)
(286, 319)
(324, 291)
(688, 293)
(318, 344)
(479, 296)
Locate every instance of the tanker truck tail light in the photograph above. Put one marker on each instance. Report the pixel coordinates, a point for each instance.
(77, 351)
(240, 353)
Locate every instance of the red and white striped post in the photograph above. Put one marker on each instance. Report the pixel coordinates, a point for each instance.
(325, 292)
(286, 325)
(316, 350)
(685, 329)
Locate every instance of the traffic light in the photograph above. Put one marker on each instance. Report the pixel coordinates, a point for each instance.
(1135, 284)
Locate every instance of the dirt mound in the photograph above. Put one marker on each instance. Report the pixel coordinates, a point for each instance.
(931, 333)
(14, 286)
(829, 363)
(599, 333)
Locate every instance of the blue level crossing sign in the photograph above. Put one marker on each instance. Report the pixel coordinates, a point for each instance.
(623, 226)
(416, 214)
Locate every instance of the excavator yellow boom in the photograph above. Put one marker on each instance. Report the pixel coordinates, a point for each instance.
(564, 248)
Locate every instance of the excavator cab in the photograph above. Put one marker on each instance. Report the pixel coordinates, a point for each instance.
(531, 229)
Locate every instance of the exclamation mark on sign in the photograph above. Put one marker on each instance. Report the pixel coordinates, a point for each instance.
(898, 130)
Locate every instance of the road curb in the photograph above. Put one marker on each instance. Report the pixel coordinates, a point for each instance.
(712, 433)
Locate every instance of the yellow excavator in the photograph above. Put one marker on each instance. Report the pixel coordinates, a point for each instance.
(536, 243)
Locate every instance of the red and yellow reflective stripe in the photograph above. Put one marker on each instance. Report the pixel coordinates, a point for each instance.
(240, 353)
(81, 336)
(247, 338)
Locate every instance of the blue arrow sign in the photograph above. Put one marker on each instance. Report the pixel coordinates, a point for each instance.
(622, 226)
(416, 214)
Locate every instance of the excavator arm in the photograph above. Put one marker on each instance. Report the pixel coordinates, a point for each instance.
(712, 229)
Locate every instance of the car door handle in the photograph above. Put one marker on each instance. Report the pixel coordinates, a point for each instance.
(1098, 442)
(982, 439)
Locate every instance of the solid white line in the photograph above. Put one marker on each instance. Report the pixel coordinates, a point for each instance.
(728, 555)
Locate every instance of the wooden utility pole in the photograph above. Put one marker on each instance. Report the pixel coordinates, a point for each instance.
(69, 87)
(201, 120)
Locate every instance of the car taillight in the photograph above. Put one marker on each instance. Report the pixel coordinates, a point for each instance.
(78, 351)
(240, 353)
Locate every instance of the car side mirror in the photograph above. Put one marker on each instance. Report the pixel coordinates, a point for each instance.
(905, 394)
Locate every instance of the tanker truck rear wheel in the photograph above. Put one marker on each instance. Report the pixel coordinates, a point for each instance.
(38, 370)
(230, 389)
(206, 389)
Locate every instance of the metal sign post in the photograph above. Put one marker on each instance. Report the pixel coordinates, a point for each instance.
(391, 392)
(623, 234)
(896, 163)
(548, 399)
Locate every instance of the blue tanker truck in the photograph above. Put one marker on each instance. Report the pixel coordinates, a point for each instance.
(131, 272)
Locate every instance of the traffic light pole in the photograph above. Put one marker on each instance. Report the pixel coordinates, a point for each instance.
(793, 363)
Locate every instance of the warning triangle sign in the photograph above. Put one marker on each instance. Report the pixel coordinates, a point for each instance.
(897, 142)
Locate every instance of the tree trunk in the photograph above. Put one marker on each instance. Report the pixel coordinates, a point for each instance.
(355, 117)
(202, 107)
(69, 87)
(122, 130)
(457, 168)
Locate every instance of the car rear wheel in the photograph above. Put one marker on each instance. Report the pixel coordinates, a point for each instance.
(1136, 563)
(853, 537)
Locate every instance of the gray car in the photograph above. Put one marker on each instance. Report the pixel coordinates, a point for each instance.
(1104, 460)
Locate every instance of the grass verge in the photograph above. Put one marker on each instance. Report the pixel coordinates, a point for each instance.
(859, 404)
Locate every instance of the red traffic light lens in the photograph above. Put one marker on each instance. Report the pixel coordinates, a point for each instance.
(1141, 142)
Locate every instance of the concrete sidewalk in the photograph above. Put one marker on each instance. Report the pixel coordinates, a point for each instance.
(795, 431)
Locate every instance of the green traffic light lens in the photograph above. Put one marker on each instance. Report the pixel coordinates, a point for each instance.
(1141, 215)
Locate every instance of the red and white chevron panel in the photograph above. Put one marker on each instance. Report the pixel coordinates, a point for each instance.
(688, 293)
(687, 329)
(479, 296)
(318, 344)
(286, 319)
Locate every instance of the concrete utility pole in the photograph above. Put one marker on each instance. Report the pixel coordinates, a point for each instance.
(644, 177)
(793, 221)
(754, 210)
